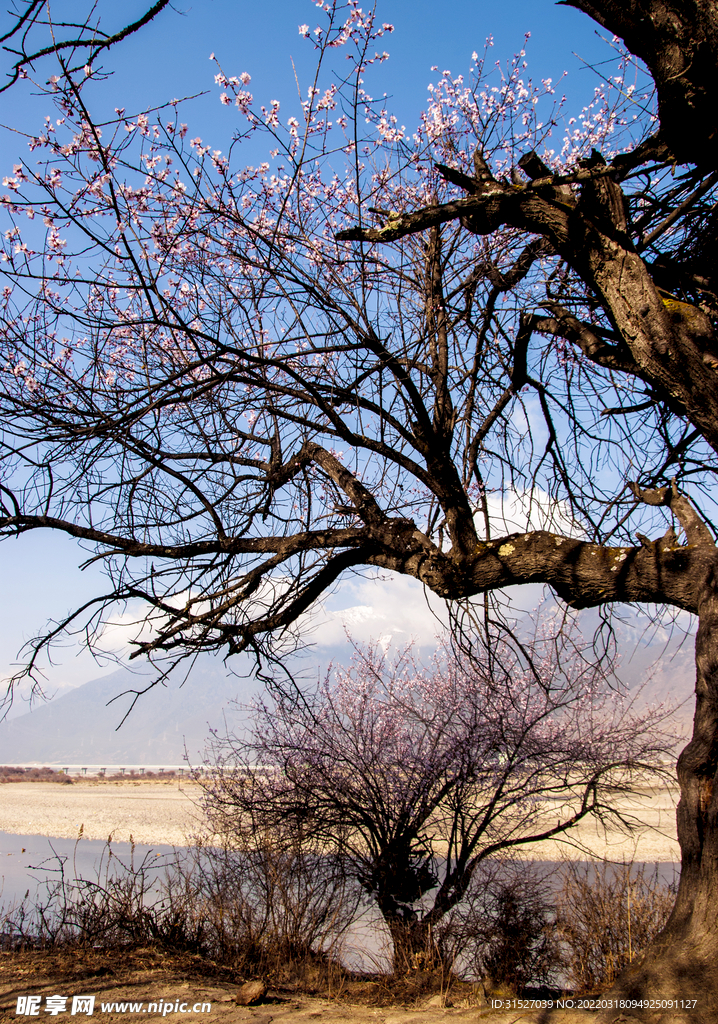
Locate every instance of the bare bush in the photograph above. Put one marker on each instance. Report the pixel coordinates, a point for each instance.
(607, 914)
(278, 913)
(504, 933)
(525, 925)
(281, 912)
(123, 903)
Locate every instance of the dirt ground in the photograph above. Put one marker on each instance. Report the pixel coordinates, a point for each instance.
(183, 982)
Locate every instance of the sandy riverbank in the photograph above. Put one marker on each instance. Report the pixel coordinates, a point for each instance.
(164, 813)
(168, 813)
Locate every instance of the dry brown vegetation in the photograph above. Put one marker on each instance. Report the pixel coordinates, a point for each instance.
(15, 773)
(283, 916)
(607, 914)
(10, 773)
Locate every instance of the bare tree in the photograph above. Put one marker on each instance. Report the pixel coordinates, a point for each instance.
(415, 777)
(237, 385)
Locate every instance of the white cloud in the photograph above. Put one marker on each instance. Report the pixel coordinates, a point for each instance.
(381, 609)
(518, 511)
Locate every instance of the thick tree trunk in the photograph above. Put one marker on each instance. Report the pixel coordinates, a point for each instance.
(678, 40)
(413, 950)
(682, 963)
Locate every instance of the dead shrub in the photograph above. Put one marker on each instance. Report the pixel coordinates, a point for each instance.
(281, 913)
(122, 904)
(276, 913)
(504, 934)
(607, 913)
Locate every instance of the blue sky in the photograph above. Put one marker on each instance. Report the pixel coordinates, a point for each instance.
(170, 58)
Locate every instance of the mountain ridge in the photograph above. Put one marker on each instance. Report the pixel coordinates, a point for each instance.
(86, 723)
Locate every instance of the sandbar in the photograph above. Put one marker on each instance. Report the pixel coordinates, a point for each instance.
(169, 813)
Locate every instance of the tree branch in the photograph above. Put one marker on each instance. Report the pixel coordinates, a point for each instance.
(694, 527)
(96, 43)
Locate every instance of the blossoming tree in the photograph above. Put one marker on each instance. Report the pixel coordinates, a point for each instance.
(413, 777)
(237, 383)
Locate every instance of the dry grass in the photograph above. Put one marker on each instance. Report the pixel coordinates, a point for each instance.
(607, 914)
(282, 915)
(265, 913)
